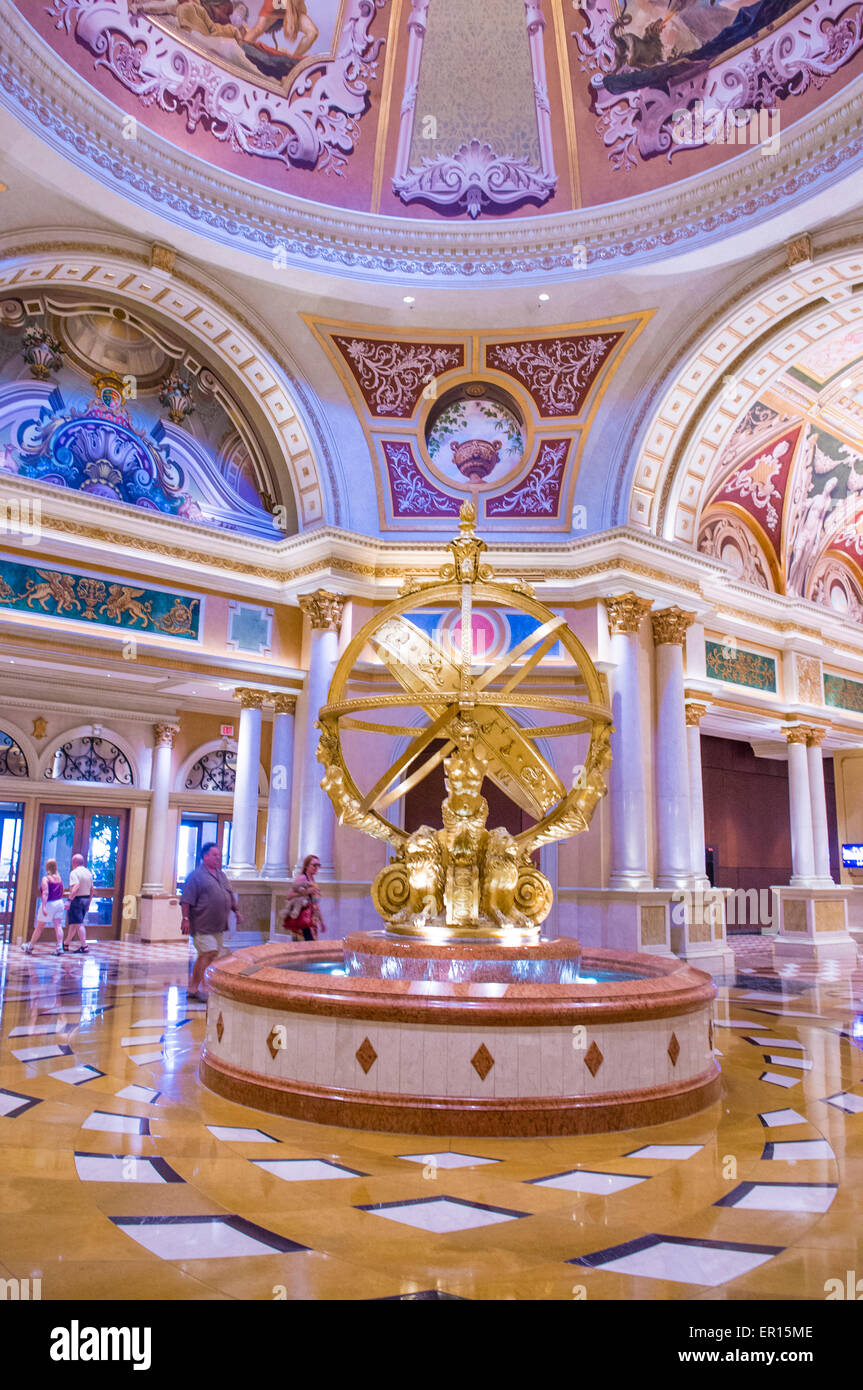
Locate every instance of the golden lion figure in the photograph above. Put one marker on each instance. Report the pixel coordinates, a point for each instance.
(499, 879)
(424, 865)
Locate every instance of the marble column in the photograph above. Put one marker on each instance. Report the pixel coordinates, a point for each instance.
(820, 834)
(694, 714)
(627, 792)
(317, 818)
(800, 799)
(157, 817)
(671, 760)
(277, 862)
(244, 829)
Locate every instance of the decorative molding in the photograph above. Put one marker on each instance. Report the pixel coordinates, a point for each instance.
(392, 374)
(558, 372)
(411, 493)
(798, 734)
(626, 612)
(95, 599)
(694, 713)
(539, 493)
(323, 609)
(730, 663)
(670, 626)
(807, 675)
(842, 693)
(475, 177)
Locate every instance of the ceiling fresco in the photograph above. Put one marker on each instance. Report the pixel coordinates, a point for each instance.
(502, 418)
(785, 507)
(439, 109)
(93, 404)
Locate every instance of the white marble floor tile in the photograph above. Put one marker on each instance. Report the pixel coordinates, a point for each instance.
(784, 1043)
(74, 1076)
(33, 1030)
(774, 1119)
(442, 1215)
(790, 1150)
(780, 1196)
(689, 1264)
(142, 1040)
(118, 1168)
(199, 1239)
(666, 1151)
(145, 1059)
(303, 1169)
(845, 1100)
(775, 1078)
(12, 1101)
(771, 995)
(239, 1134)
(448, 1159)
(800, 1062)
(580, 1180)
(732, 1023)
(115, 1124)
(39, 1054)
(146, 1094)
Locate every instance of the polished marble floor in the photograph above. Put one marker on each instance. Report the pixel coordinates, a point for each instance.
(122, 1178)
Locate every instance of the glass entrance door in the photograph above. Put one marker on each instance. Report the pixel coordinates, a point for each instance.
(100, 836)
(11, 822)
(197, 830)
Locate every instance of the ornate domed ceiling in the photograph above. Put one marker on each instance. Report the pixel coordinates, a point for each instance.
(419, 117)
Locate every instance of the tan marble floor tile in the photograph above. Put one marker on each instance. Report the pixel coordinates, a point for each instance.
(86, 1235)
(297, 1276)
(129, 1280)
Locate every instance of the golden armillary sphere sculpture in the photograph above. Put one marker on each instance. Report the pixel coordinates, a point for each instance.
(464, 880)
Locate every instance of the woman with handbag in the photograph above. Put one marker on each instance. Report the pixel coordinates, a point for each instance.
(302, 913)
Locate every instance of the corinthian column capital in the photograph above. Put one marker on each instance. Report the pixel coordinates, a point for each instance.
(163, 735)
(250, 699)
(625, 612)
(815, 737)
(798, 734)
(323, 609)
(695, 713)
(283, 704)
(669, 626)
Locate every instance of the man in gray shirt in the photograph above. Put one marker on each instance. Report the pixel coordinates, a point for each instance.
(206, 902)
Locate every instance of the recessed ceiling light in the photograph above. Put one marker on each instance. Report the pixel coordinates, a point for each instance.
(408, 299)
(846, 383)
(543, 298)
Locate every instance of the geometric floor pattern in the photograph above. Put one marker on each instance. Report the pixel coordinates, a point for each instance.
(122, 1178)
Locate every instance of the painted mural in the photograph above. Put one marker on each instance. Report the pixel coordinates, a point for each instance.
(476, 437)
(785, 496)
(87, 598)
(843, 693)
(150, 437)
(441, 109)
(262, 38)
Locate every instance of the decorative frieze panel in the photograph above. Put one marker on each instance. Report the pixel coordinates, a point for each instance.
(85, 598)
(538, 494)
(843, 693)
(731, 663)
(558, 372)
(392, 375)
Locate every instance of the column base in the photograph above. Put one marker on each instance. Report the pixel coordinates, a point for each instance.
(813, 924)
(159, 918)
(654, 921)
(242, 871)
(279, 872)
(629, 883)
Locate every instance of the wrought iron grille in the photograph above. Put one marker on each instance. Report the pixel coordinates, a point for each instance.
(214, 772)
(90, 759)
(12, 761)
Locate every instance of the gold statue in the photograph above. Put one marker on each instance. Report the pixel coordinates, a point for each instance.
(465, 880)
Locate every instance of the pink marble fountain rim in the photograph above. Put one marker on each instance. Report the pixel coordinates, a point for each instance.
(381, 944)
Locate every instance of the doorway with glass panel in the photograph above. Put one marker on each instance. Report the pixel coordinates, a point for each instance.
(11, 823)
(196, 830)
(99, 834)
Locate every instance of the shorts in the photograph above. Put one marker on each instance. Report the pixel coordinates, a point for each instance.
(55, 913)
(78, 909)
(205, 942)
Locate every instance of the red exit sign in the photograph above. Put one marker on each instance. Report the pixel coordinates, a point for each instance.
(227, 731)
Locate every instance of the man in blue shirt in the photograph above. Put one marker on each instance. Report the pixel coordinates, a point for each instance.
(206, 903)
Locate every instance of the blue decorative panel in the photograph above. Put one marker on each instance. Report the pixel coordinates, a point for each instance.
(726, 663)
(87, 598)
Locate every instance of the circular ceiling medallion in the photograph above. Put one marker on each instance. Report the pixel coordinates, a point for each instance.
(475, 435)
